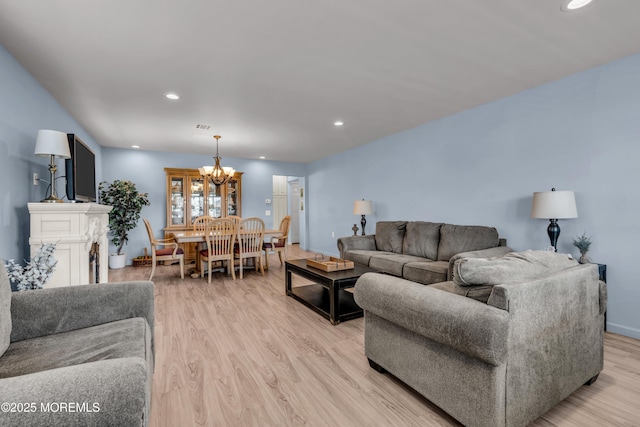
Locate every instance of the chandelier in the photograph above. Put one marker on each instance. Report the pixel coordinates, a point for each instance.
(217, 174)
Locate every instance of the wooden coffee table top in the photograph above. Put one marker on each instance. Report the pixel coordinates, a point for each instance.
(357, 271)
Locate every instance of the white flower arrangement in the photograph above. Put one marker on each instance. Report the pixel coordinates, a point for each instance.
(37, 272)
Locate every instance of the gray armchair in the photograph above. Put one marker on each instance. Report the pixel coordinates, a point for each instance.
(499, 363)
(78, 355)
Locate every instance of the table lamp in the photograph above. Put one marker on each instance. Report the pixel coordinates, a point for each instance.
(362, 207)
(554, 205)
(54, 144)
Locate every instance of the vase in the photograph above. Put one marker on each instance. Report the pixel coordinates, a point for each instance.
(117, 261)
(584, 259)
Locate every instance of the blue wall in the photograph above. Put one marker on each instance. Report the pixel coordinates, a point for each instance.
(482, 166)
(146, 170)
(25, 107)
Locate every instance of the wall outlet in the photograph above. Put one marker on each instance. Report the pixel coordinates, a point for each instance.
(333, 234)
(35, 178)
(267, 213)
(267, 201)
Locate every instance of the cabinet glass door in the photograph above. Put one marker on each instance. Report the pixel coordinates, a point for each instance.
(177, 201)
(232, 197)
(197, 198)
(214, 201)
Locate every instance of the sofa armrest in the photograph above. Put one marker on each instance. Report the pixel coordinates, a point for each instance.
(108, 392)
(55, 310)
(572, 295)
(466, 325)
(482, 253)
(367, 243)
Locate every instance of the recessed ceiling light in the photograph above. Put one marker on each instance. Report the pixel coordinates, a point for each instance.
(338, 123)
(569, 5)
(135, 146)
(262, 157)
(172, 96)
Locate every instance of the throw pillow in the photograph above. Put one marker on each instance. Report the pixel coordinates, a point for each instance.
(390, 235)
(455, 239)
(421, 239)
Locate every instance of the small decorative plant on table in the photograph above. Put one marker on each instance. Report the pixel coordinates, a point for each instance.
(583, 243)
(127, 204)
(37, 272)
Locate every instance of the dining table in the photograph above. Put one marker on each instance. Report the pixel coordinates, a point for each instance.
(192, 236)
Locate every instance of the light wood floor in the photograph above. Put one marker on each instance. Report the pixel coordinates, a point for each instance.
(241, 353)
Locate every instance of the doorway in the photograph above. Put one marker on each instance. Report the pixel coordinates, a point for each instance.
(289, 199)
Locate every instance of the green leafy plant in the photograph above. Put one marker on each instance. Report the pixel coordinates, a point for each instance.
(583, 243)
(127, 204)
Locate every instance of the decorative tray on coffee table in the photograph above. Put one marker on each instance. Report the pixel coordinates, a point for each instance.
(331, 264)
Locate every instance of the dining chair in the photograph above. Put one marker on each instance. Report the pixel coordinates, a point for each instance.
(201, 222)
(172, 253)
(236, 218)
(279, 243)
(250, 239)
(220, 236)
(200, 225)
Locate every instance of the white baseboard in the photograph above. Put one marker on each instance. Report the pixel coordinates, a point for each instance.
(623, 330)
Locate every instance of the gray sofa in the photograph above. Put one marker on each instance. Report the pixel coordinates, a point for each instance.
(76, 356)
(421, 251)
(503, 362)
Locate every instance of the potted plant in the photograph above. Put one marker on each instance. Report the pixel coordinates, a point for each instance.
(583, 243)
(127, 204)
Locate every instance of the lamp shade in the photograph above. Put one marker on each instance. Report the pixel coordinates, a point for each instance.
(554, 205)
(52, 143)
(362, 207)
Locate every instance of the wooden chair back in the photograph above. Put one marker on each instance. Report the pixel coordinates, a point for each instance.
(278, 244)
(172, 253)
(251, 235)
(284, 227)
(250, 239)
(152, 239)
(220, 237)
(201, 222)
(235, 218)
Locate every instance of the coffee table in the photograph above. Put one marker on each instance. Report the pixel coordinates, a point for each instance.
(327, 296)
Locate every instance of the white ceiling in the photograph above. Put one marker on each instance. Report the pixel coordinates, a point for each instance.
(271, 77)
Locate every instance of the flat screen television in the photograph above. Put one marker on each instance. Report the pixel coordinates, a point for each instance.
(80, 171)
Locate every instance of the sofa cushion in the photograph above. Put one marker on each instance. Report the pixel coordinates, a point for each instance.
(463, 238)
(5, 309)
(444, 286)
(421, 239)
(124, 338)
(390, 235)
(392, 263)
(362, 256)
(475, 277)
(426, 272)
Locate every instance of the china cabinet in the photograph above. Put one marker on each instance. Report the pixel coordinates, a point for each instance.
(189, 196)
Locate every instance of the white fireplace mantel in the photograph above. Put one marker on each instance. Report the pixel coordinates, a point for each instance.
(73, 227)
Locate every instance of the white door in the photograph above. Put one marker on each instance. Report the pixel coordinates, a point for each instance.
(279, 202)
(294, 211)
